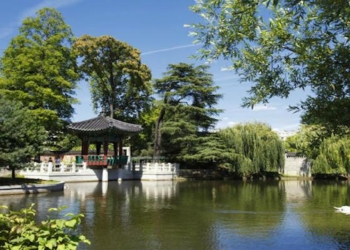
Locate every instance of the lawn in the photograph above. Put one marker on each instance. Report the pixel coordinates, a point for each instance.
(8, 181)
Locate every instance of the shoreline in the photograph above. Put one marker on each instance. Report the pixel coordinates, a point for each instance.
(31, 188)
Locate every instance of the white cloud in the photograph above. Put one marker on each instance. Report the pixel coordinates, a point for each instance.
(263, 108)
(224, 123)
(10, 28)
(288, 128)
(168, 49)
(231, 123)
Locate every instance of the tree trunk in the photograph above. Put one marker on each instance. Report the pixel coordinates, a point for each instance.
(111, 110)
(158, 134)
(13, 172)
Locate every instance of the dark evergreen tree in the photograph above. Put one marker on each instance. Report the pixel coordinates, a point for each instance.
(187, 112)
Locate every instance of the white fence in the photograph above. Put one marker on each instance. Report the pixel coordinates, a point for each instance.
(81, 172)
(154, 167)
(51, 167)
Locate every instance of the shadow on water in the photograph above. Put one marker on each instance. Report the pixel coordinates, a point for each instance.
(204, 214)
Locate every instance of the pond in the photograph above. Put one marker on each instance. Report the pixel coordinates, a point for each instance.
(203, 214)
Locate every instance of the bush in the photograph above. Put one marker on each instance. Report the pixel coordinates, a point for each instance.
(18, 230)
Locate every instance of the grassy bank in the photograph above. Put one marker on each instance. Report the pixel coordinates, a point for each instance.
(8, 181)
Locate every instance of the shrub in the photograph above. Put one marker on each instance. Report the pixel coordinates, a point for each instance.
(19, 230)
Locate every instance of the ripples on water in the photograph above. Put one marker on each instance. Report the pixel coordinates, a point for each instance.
(203, 214)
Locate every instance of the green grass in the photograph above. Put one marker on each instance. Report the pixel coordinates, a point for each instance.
(8, 181)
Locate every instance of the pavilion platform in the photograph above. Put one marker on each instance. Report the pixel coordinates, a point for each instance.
(81, 172)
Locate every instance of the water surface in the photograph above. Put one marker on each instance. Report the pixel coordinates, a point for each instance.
(203, 214)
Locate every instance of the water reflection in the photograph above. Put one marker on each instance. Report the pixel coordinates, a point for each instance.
(204, 214)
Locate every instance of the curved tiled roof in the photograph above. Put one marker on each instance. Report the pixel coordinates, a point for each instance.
(103, 124)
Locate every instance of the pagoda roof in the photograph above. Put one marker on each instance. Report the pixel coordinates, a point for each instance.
(103, 124)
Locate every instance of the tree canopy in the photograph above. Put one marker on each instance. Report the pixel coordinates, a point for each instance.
(280, 46)
(39, 69)
(254, 148)
(187, 111)
(333, 157)
(21, 136)
(120, 83)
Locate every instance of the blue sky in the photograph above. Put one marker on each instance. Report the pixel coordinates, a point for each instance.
(157, 29)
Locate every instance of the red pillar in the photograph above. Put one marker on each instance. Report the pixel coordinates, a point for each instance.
(85, 146)
(105, 147)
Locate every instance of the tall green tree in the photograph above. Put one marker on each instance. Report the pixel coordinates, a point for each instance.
(187, 110)
(256, 149)
(280, 46)
(120, 83)
(21, 136)
(39, 69)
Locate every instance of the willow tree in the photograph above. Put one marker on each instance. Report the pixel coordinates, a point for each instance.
(333, 156)
(39, 69)
(256, 149)
(187, 110)
(119, 81)
(279, 46)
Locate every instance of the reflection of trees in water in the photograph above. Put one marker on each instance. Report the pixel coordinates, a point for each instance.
(249, 208)
(326, 222)
(42, 202)
(156, 216)
(181, 215)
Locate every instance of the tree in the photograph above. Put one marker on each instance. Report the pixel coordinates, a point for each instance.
(39, 69)
(142, 143)
(280, 46)
(187, 110)
(291, 144)
(119, 81)
(255, 148)
(333, 157)
(21, 136)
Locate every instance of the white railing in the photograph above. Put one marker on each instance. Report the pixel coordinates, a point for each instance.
(154, 167)
(151, 168)
(51, 167)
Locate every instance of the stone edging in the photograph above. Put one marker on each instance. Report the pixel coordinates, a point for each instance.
(31, 188)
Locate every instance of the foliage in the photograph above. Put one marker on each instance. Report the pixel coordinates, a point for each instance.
(254, 148)
(39, 69)
(21, 136)
(119, 82)
(210, 151)
(187, 110)
(334, 156)
(18, 230)
(142, 143)
(308, 139)
(21, 180)
(290, 144)
(63, 142)
(280, 46)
